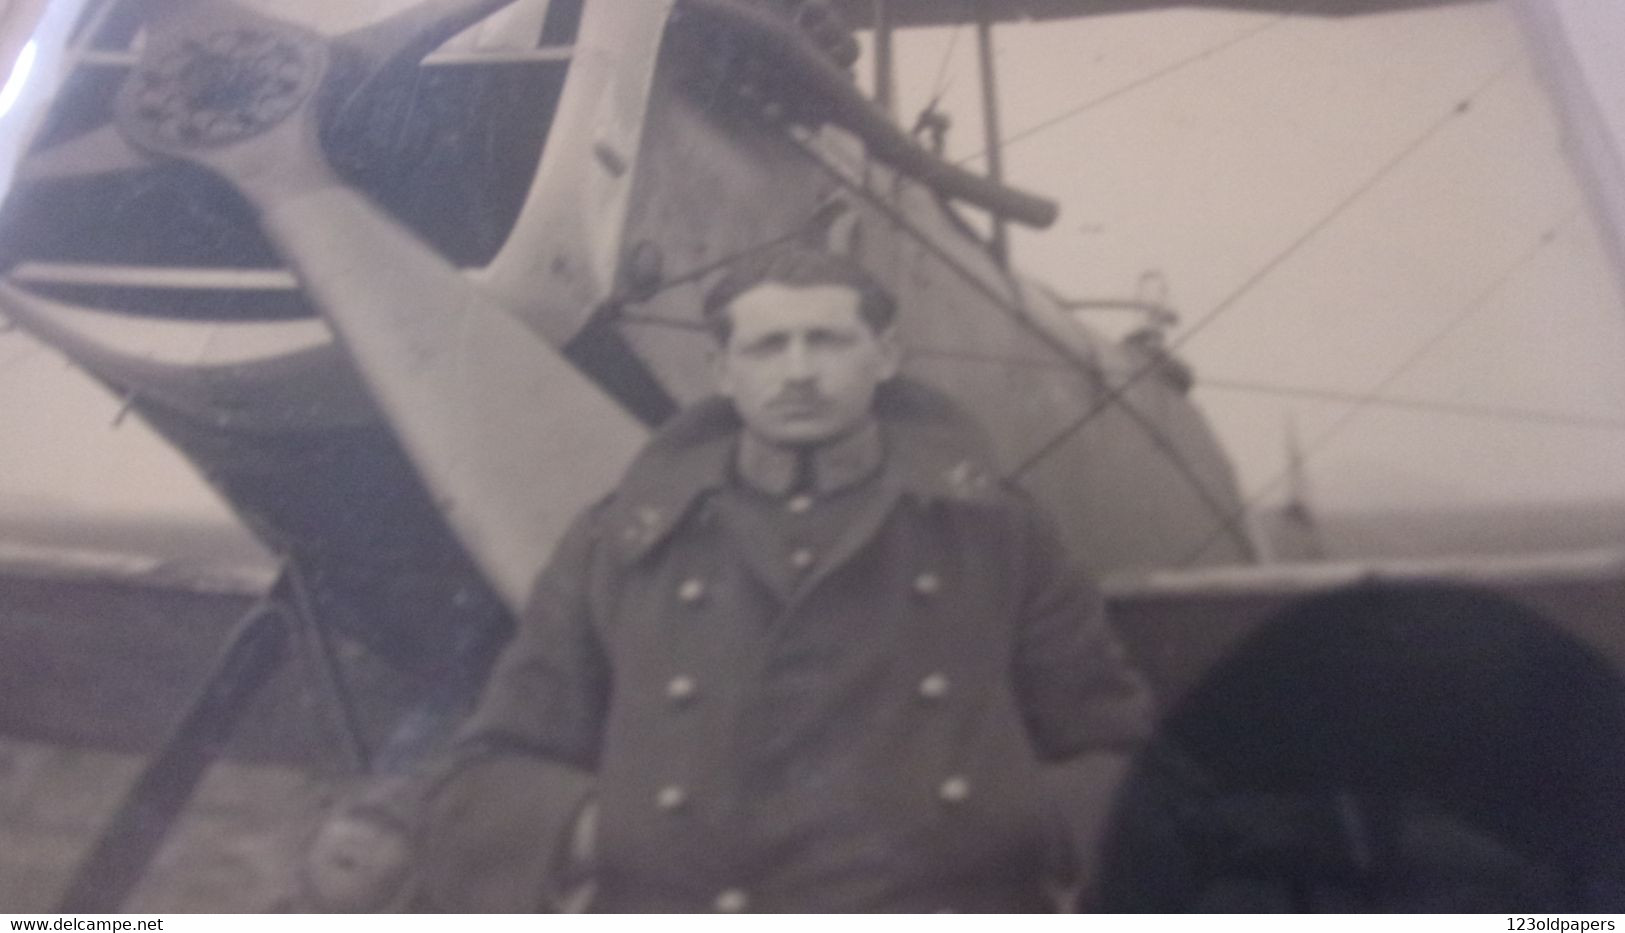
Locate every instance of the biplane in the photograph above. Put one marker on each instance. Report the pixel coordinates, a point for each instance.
(450, 256)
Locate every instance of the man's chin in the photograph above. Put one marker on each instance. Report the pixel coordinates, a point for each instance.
(798, 433)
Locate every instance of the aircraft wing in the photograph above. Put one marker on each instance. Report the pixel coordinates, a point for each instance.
(906, 13)
(1178, 624)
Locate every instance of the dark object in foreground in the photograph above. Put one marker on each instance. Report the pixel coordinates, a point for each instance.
(1386, 747)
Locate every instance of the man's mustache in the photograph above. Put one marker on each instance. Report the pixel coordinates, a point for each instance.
(797, 398)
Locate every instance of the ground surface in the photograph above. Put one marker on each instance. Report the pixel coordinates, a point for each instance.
(92, 677)
(235, 848)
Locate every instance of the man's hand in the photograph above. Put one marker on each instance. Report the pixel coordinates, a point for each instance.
(358, 862)
(497, 830)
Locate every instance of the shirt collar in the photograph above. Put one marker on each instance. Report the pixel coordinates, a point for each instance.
(840, 464)
(924, 446)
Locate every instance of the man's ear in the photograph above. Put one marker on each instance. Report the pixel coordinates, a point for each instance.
(891, 352)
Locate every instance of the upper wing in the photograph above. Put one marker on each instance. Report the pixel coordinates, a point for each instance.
(939, 13)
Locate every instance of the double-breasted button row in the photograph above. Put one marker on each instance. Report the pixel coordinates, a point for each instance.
(927, 584)
(670, 798)
(682, 689)
(732, 901)
(955, 789)
(933, 686)
(691, 590)
(802, 558)
(799, 504)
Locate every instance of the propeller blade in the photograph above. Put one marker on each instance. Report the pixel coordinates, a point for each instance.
(102, 151)
(481, 403)
(415, 32)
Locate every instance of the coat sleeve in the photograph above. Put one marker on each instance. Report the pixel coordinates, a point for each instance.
(549, 691)
(498, 824)
(1077, 688)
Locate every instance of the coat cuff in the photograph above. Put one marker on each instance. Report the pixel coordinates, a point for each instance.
(498, 831)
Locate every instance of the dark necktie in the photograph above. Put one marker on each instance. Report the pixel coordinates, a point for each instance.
(804, 482)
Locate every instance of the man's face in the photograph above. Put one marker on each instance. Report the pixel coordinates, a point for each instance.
(801, 364)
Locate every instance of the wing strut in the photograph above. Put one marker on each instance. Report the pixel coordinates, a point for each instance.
(257, 648)
(816, 76)
(883, 58)
(1000, 244)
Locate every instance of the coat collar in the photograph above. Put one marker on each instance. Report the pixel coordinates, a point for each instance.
(933, 451)
(835, 466)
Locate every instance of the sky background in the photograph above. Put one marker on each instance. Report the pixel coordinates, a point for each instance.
(1368, 227)
(1354, 207)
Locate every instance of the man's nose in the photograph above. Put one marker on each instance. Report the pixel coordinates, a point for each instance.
(798, 364)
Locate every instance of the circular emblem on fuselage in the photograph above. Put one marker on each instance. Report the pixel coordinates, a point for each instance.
(200, 89)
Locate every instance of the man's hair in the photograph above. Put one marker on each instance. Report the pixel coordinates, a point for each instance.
(800, 267)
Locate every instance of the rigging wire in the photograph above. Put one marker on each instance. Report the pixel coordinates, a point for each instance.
(1456, 112)
(1011, 305)
(1477, 304)
(704, 269)
(1532, 416)
(1138, 83)
(940, 84)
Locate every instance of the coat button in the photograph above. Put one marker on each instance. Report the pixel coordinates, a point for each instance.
(954, 790)
(681, 689)
(799, 504)
(671, 797)
(802, 558)
(691, 591)
(934, 686)
(927, 584)
(732, 901)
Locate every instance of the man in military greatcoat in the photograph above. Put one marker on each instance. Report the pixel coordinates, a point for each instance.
(813, 654)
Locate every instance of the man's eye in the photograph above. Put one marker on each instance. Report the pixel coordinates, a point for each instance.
(831, 339)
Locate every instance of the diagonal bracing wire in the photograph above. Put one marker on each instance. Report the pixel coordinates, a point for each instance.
(1135, 85)
(1481, 300)
(1207, 319)
(1529, 416)
(939, 85)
